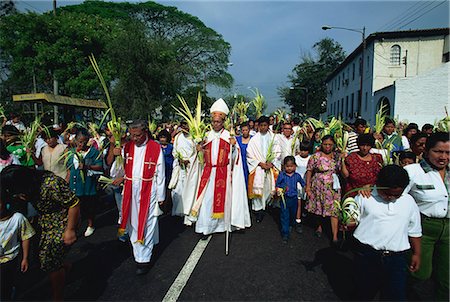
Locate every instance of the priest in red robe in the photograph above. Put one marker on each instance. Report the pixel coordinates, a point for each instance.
(143, 192)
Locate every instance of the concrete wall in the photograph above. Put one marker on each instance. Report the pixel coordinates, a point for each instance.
(422, 99)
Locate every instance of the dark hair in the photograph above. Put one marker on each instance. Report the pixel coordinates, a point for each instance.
(83, 132)
(296, 120)
(392, 176)
(413, 125)
(360, 121)
(263, 119)
(416, 137)
(141, 124)
(435, 138)
(10, 129)
(183, 122)
(245, 124)
(328, 137)
(305, 146)
(410, 127)
(15, 179)
(388, 120)
(427, 127)
(289, 159)
(49, 134)
(4, 153)
(166, 134)
(365, 139)
(407, 154)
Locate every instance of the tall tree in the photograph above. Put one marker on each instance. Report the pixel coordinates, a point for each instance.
(306, 93)
(148, 53)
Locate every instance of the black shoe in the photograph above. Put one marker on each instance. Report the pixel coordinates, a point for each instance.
(285, 240)
(298, 228)
(142, 270)
(204, 237)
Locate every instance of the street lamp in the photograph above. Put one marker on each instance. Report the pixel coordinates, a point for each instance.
(307, 95)
(363, 33)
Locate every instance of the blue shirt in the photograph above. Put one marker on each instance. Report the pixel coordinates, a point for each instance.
(289, 183)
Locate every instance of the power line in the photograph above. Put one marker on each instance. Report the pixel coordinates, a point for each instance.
(414, 13)
(386, 25)
(32, 6)
(424, 13)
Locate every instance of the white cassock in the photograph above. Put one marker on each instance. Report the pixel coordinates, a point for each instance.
(236, 212)
(263, 182)
(143, 252)
(288, 146)
(185, 147)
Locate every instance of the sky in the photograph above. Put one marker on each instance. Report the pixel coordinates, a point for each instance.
(268, 38)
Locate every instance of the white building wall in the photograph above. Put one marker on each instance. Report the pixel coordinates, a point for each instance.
(424, 54)
(422, 99)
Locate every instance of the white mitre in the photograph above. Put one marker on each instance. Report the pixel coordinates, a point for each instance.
(219, 107)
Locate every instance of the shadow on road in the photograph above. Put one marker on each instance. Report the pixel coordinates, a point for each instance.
(338, 267)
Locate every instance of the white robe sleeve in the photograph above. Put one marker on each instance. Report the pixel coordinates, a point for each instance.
(160, 181)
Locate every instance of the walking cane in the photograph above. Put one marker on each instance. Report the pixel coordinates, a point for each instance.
(227, 237)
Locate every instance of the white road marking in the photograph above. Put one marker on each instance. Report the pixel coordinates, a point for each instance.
(180, 282)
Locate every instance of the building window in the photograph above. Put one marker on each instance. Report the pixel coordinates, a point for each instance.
(339, 82)
(395, 55)
(365, 106)
(346, 107)
(351, 105)
(353, 72)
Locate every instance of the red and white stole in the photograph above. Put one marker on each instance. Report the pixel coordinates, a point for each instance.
(220, 180)
(152, 152)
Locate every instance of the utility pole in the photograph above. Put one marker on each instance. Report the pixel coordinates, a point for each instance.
(55, 81)
(405, 62)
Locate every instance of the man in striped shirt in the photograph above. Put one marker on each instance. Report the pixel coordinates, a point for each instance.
(359, 127)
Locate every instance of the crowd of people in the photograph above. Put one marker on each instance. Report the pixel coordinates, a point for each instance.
(398, 182)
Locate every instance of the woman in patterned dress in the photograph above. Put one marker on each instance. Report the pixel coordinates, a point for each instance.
(58, 210)
(322, 185)
(361, 168)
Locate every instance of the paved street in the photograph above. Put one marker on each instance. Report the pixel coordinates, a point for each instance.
(258, 267)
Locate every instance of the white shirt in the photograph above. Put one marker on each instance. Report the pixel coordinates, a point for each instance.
(387, 225)
(20, 125)
(405, 142)
(429, 191)
(301, 163)
(12, 232)
(286, 145)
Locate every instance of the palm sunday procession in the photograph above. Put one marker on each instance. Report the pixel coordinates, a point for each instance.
(131, 182)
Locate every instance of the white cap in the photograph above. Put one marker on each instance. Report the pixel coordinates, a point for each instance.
(220, 106)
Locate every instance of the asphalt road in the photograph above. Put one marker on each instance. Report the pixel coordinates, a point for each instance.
(259, 267)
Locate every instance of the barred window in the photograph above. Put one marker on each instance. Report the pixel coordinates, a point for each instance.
(395, 55)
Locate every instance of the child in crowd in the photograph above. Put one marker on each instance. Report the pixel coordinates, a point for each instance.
(301, 160)
(389, 225)
(84, 165)
(286, 185)
(406, 158)
(14, 228)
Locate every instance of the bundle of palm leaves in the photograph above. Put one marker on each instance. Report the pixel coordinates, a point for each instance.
(115, 124)
(380, 118)
(258, 102)
(197, 126)
(2, 112)
(240, 109)
(444, 124)
(29, 136)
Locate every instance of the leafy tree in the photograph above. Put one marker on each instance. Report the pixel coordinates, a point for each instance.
(182, 53)
(147, 52)
(307, 92)
(7, 7)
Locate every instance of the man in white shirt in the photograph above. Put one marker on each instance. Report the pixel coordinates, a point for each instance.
(389, 225)
(289, 145)
(16, 122)
(430, 187)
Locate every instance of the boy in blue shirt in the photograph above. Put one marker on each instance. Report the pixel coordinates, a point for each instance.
(287, 184)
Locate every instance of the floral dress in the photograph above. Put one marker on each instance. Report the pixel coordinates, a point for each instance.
(55, 200)
(361, 172)
(323, 194)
